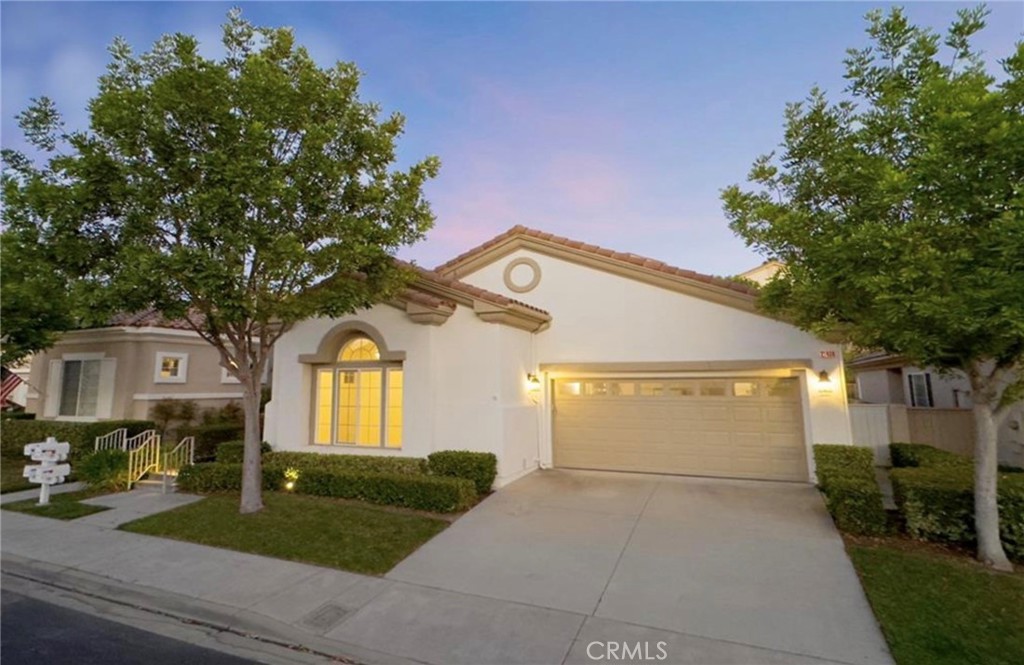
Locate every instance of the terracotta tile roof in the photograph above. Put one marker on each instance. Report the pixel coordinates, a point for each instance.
(623, 257)
(151, 318)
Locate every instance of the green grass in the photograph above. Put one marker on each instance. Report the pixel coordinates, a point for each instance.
(10, 476)
(64, 506)
(942, 609)
(318, 530)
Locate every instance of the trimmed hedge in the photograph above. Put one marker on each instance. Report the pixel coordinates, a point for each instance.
(14, 434)
(349, 463)
(846, 476)
(434, 493)
(105, 469)
(938, 504)
(909, 455)
(233, 452)
(216, 477)
(420, 492)
(481, 468)
(208, 437)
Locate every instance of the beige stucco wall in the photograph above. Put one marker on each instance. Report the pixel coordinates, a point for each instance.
(135, 390)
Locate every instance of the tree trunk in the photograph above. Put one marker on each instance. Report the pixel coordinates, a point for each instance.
(252, 465)
(986, 472)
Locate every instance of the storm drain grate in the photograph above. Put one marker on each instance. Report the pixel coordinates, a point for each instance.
(325, 617)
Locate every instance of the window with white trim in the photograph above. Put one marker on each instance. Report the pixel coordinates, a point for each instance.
(358, 400)
(80, 388)
(920, 389)
(171, 367)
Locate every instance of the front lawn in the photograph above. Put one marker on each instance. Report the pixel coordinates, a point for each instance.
(317, 530)
(66, 506)
(939, 608)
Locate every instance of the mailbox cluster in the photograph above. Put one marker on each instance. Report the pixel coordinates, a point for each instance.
(49, 472)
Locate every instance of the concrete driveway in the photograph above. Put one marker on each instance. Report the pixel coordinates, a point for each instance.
(720, 571)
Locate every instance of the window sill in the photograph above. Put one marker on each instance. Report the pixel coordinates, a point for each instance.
(352, 446)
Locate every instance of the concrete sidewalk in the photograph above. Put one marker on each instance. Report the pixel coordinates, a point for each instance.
(331, 612)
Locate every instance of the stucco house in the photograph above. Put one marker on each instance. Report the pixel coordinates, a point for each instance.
(552, 352)
(119, 371)
(763, 273)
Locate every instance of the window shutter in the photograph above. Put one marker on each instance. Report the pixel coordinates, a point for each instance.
(105, 399)
(53, 388)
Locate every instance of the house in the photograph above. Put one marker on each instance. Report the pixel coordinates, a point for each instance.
(119, 371)
(937, 405)
(551, 352)
(763, 273)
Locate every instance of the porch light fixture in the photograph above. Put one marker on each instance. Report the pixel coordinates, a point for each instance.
(823, 377)
(532, 383)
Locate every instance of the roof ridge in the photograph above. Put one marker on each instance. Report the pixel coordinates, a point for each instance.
(579, 246)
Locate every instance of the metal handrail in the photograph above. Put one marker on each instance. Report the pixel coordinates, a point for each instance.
(143, 457)
(113, 441)
(180, 456)
(140, 439)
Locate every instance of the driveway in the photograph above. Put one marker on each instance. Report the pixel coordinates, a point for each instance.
(720, 571)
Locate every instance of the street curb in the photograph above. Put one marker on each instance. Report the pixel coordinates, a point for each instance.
(242, 623)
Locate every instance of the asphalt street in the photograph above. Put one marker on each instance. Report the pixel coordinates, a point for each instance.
(34, 632)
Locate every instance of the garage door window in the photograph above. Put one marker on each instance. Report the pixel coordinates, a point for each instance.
(713, 389)
(744, 388)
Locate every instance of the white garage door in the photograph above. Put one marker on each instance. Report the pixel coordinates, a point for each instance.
(735, 427)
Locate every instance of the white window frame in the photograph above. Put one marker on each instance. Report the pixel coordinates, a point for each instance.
(182, 376)
(79, 357)
(225, 376)
(926, 377)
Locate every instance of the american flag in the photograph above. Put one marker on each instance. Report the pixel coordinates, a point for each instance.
(9, 381)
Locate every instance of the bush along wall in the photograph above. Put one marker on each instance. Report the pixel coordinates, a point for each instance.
(420, 492)
(233, 452)
(82, 436)
(481, 468)
(208, 437)
(937, 504)
(355, 463)
(846, 477)
(908, 455)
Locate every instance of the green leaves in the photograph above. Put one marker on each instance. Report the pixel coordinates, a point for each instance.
(899, 210)
(231, 188)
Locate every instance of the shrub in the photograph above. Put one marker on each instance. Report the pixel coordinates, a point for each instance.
(208, 437)
(420, 492)
(846, 476)
(481, 468)
(233, 452)
(906, 455)
(17, 415)
(14, 434)
(433, 493)
(938, 504)
(349, 463)
(219, 477)
(105, 469)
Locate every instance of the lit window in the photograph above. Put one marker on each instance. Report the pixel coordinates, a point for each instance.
(359, 348)
(171, 367)
(744, 389)
(358, 401)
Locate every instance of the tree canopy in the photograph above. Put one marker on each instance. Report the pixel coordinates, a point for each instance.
(247, 193)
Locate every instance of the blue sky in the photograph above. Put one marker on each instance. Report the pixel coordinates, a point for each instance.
(615, 124)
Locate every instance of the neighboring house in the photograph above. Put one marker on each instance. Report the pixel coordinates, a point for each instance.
(121, 370)
(551, 352)
(763, 273)
(938, 404)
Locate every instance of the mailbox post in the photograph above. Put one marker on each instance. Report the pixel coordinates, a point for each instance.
(48, 472)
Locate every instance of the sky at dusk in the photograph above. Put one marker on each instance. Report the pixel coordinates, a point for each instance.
(615, 124)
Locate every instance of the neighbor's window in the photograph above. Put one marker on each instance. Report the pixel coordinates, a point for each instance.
(920, 389)
(80, 388)
(171, 367)
(358, 400)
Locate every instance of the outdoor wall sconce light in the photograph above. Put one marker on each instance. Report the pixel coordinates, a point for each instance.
(532, 383)
(823, 377)
(824, 383)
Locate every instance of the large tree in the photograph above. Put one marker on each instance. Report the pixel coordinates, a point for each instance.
(898, 210)
(244, 194)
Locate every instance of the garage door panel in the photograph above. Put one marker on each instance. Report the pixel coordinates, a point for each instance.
(747, 428)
